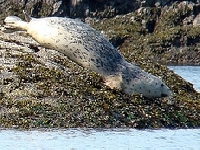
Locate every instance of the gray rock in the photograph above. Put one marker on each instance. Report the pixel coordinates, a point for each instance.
(196, 21)
(82, 8)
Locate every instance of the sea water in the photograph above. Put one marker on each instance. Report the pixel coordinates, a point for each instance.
(189, 73)
(110, 138)
(100, 139)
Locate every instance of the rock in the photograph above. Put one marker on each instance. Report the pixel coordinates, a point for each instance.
(46, 84)
(38, 84)
(196, 21)
(83, 8)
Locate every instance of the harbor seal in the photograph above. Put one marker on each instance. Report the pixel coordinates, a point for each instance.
(88, 48)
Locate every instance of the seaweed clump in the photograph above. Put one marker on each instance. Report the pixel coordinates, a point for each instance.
(46, 97)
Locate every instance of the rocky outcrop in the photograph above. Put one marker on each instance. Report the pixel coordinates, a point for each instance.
(83, 8)
(41, 88)
(38, 84)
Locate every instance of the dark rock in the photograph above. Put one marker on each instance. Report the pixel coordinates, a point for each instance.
(83, 8)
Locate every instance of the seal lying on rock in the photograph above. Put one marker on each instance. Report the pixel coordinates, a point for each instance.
(87, 47)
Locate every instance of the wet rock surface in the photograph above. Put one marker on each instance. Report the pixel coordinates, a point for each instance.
(41, 88)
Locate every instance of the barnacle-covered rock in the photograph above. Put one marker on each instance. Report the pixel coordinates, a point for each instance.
(41, 88)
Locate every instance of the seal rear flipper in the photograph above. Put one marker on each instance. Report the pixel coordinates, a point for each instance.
(15, 23)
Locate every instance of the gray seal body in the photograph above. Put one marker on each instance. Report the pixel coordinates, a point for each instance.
(87, 47)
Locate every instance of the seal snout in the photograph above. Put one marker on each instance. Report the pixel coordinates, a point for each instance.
(165, 91)
(163, 94)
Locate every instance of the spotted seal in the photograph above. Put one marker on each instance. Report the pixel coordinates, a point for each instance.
(87, 47)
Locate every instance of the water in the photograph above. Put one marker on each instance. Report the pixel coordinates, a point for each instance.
(189, 73)
(100, 139)
(108, 139)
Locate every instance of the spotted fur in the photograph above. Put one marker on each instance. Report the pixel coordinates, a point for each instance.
(87, 47)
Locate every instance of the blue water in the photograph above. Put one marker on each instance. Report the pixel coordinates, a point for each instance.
(108, 139)
(100, 139)
(189, 73)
